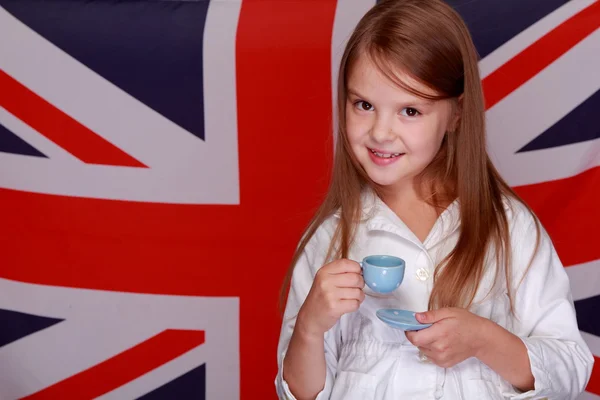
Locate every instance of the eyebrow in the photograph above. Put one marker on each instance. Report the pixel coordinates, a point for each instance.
(353, 92)
(417, 102)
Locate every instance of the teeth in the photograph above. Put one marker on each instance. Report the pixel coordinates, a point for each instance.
(382, 155)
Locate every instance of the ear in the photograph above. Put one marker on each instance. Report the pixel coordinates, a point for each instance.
(456, 111)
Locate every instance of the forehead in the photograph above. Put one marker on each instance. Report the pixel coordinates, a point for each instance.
(365, 75)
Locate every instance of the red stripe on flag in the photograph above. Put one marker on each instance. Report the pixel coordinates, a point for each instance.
(569, 209)
(284, 98)
(594, 384)
(540, 54)
(124, 367)
(60, 127)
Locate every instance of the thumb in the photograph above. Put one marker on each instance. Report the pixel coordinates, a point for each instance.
(429, 317)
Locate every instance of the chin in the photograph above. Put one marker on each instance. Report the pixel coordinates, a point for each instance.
(384, 180)
(388, 179)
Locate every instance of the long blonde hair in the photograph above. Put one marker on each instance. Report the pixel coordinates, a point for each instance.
(430, 42)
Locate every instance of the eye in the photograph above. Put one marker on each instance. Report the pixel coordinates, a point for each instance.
(363, 106)
(410, 112)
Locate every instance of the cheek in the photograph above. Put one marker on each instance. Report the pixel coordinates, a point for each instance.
(423, 147)
(425, 143)
(356, 128)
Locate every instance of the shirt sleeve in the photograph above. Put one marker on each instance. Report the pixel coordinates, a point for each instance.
(310, 261)
(560, 360)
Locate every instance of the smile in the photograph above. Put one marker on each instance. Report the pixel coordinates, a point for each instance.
(385, 155)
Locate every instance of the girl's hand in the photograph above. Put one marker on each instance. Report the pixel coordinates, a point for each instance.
(456, 334)
(336, 290)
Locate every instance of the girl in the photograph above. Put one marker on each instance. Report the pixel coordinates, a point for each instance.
(412, 179)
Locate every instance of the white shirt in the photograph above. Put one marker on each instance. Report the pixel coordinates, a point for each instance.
(367, 360)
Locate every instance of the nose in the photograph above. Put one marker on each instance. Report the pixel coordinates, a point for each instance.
(382, 130)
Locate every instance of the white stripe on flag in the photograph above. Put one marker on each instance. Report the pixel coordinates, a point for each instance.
(593, 342)
(536, 106)
(347, 15)
(100, 324)
(163, 375)
(181, 166)
(527, 37)
(35, 139)
(588, 396)
(585, 280)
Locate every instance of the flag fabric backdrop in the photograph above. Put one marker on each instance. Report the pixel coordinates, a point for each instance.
(159, 159)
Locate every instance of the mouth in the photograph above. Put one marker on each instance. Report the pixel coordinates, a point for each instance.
(381, 154)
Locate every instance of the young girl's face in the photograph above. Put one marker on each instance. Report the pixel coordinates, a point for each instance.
(393, 133)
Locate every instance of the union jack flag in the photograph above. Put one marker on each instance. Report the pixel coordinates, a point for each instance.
(144, 147)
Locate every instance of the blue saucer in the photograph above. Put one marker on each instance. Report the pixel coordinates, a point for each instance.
(400, 319)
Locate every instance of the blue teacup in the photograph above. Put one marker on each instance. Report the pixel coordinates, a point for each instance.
(383, 274)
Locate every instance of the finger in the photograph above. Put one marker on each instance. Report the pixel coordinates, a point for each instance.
(344, 265)
(424, 337)
(410, 335)
(432, 316)
(415, 337)
(440, 359)
(350, 294)
(348, 280)
(348, 306)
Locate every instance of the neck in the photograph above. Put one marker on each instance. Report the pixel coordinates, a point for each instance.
(401, 195)
(409, 195)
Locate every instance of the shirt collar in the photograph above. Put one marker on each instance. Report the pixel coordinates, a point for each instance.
(377, 216)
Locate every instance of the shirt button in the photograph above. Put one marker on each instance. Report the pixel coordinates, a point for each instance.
(422, 274)
(439, 392)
